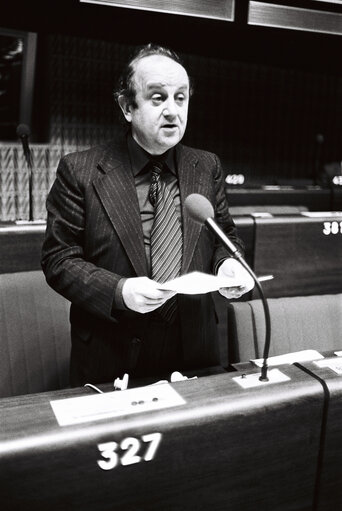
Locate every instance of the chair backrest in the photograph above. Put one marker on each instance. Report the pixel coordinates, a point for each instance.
(34, 335)
(297, 323)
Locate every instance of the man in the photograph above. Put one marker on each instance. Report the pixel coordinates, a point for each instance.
(100, 247)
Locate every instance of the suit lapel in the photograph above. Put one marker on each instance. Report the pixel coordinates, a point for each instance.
(116, 189)
(193, 178)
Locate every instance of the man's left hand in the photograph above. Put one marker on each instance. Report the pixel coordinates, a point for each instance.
(232, 268)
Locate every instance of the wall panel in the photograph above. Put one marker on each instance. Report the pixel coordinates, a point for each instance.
(262, 120)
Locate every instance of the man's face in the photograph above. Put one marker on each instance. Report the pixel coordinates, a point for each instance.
(162, 97)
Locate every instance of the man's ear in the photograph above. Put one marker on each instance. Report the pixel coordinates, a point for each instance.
(125, 107)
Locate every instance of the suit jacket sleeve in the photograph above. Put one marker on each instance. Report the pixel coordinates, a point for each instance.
(63, 262)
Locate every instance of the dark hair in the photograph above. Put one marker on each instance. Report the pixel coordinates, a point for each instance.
(126, 83)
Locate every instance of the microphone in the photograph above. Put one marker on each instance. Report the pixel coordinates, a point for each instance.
(201, 211)
(23, 132)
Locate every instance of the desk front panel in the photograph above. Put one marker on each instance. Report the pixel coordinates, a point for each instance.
(225, 448)
(20, 247)
(330, 481)
(304, 255)
(313, 198)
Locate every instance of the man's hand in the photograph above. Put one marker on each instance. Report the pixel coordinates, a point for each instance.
(232, 268)
(141, 294)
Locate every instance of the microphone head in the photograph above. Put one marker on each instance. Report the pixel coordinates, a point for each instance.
(198, 207)
(23, 130)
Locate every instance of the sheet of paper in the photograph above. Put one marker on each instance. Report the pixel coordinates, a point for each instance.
(196, 283)
(320, 214)
(290, 358)
(333, 363)
(76, 410)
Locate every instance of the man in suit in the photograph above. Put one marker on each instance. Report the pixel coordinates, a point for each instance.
(98, 246)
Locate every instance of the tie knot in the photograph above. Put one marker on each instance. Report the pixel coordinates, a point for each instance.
(156, 167)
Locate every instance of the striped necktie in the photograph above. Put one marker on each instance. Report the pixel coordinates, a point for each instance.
(166, 237)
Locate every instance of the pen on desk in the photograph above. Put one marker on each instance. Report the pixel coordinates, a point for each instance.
(265, 277)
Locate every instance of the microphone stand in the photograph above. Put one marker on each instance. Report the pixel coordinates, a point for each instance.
(236, 254)
(23, 132)
(28, 158)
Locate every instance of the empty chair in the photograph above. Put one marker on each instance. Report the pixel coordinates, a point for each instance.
(34, 335)
(297, 323)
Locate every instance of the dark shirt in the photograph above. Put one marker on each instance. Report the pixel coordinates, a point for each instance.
(142, 177)
(140, 160)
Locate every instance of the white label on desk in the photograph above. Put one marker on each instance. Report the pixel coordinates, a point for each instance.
(289, 358)
(333, 363)
(248, 381)
(76, 410)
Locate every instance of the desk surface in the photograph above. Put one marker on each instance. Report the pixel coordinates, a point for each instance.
(225, 448)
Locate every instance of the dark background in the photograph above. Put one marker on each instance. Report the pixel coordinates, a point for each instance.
(267, 101)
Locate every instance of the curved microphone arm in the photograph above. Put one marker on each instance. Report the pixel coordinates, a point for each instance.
(236, 254)
(201, 211)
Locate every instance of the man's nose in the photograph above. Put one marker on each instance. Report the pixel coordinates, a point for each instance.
(170, 109)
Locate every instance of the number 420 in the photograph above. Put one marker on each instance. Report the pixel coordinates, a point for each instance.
(131, 447)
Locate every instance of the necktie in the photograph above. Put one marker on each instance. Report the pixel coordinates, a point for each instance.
(166, 237)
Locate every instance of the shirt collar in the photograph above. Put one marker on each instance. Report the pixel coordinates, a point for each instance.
(140, 158)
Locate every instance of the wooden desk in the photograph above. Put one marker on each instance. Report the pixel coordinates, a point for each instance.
(20, 247)
(329, 494)
(225, 448)
(304, 254)
(314, 198)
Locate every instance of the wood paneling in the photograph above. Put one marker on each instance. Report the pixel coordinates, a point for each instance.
(294, 18)
(217, 9)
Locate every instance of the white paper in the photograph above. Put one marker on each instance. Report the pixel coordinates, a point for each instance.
(333, 363)
(290, 358)
(320, 214)
(196, 283)
(76, 410)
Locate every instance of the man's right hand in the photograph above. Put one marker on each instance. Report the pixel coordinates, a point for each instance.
(141, 294)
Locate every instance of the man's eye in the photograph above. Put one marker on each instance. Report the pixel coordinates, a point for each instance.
(180, 98)
(157, 98)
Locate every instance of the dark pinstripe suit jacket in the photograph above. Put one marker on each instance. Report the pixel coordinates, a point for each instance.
(94, 237)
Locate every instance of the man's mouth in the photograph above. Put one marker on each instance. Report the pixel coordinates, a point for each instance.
(169, 126)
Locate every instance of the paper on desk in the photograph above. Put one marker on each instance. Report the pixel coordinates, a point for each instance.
(334, 363)
(76, 410)
(290, 358)
(196, 283)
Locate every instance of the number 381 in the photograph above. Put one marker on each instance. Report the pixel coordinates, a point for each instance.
(131, 448)
(332, 228)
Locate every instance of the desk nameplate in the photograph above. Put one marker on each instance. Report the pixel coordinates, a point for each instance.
(76, 410)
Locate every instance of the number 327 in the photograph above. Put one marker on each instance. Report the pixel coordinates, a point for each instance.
(132, 451)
